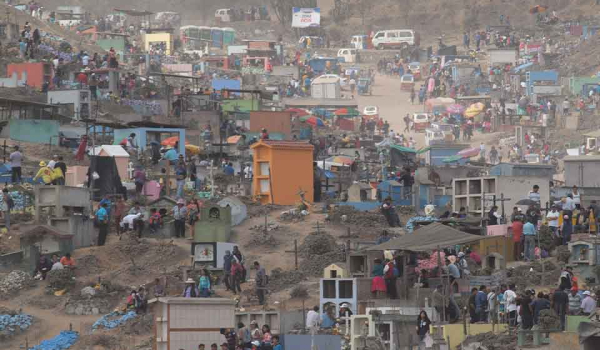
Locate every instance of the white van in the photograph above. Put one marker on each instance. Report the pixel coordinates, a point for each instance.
(348, 55)
(395, 39)
(223, 15)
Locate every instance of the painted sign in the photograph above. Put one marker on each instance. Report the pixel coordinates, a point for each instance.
(306, 17)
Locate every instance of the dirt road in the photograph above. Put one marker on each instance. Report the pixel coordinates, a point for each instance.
(393, 104)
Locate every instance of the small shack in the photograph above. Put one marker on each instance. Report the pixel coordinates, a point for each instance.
(213, 225)
(394, 190)
(277, 164)
(239, 211)
(45, 240)
(118, 153)
(336, 270)
(326, 86)
(360, 192)
(183, 323)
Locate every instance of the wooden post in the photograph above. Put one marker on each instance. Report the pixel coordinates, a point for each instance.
(295, 251)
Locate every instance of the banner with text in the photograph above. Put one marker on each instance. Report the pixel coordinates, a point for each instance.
(306, 17)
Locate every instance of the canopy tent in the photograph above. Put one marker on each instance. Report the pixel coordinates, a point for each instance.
(428, 238)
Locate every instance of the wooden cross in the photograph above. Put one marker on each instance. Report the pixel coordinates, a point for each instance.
(4, 147)
(295, 251)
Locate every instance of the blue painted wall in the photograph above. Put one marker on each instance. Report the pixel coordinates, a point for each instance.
(34, 130)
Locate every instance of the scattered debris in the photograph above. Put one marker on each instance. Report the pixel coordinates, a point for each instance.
(493, 341)
(261, 238)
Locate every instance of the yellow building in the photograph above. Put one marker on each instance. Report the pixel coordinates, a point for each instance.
(153, 40)
(336, 270)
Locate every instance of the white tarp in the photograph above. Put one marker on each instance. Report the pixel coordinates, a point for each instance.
(306, 17)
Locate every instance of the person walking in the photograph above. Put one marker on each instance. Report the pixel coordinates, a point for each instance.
(423, 325)
(529, 232)
(510, 302)
(180, 212)
(102, 223)
(16, 158)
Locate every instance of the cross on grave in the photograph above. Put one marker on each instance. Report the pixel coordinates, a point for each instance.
(4, 146)
(295, 251)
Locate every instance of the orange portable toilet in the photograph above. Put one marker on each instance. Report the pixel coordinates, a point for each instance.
(282, 169)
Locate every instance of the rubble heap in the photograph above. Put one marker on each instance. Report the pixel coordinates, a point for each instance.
(59, 279)
(347, 215)
(492, 341)
(14, 281)
(281, 279)
(563, 254)
(13, 324)
(549, 320)
(523, 277)
(319, 250)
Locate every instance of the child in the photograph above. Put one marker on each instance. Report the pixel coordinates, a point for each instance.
(276, 345)
(155, 220)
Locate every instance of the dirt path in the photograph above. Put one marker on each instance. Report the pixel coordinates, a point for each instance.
(47, 322)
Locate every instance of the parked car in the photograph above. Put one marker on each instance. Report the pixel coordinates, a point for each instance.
(371, 110)
(395, 39)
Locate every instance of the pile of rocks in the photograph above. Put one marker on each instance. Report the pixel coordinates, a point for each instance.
(318, 243)
(279, 279)
(15, 281)
(59, 279)
(262, 238)
(95, 306)
(319, 250)
(549, 320)
(347, 215)
(271, 226)
(493, 341)
(523, 276)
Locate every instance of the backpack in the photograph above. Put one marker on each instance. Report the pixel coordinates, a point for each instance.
(396, 271)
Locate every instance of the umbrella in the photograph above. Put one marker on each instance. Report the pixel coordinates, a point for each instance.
(455, 109)
(312, 120)
(346, 111)
(474, 109)
(192, 149)
(299, 112)
(341, 159)
(526, 202)
(322, 112)
(170, 141)
(469, 152)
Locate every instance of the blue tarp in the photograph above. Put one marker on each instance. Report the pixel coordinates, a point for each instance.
(523, 66)
(63, 341)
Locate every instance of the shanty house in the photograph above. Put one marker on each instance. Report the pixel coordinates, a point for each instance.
(119, 154)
